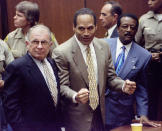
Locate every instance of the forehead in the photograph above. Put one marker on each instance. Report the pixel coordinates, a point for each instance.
(39, 33)
(127, 20)
(106, 8)
(84, 20)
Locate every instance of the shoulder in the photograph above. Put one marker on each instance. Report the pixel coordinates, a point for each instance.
(101, 42)
(12, 34)
(141, 51)
(20, 62)
(146, 16)
(66, 45)
(111, 41)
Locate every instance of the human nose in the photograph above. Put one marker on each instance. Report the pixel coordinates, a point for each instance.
(100, 17)
(39, 45)
(86, 32)
(129, 28)
(14, 17)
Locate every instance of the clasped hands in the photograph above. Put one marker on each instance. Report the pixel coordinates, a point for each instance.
(83, 94)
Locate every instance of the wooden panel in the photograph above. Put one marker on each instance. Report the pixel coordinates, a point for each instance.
(57, 14)
(137, 7)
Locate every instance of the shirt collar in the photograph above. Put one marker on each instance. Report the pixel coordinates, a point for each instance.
(19, 33)
(110, 31)
(82, 46)
(120, 44)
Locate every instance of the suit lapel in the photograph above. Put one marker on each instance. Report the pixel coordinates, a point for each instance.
(79, 61)
(113, 50)
(33, 69)
(99, 54)
(115, 33)
(129, 63)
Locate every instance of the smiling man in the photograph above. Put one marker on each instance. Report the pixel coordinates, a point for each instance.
(85, 67)
(31, 89)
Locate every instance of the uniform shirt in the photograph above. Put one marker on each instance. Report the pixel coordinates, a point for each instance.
(5, 57)
(150, 31)
(16, 42)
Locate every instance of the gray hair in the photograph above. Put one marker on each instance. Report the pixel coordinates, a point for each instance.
(116, 7)
(30, 10)
(40, 26)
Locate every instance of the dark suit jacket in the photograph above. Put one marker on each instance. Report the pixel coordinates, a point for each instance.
(27, 100)
(73, 76)
(114, 33)
(119, 106)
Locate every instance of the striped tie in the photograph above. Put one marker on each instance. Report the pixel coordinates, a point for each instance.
(93, 92)
(52, 84)
(120, 60)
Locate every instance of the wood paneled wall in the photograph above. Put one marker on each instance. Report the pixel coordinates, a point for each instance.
(58, 14)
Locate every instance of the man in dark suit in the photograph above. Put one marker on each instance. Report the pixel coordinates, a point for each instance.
(31, 97)
(85, 66)
(120, 106)
(108, 17)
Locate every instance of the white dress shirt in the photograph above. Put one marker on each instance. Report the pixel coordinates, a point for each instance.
(119, 48)
(40, 66)
(93, 54)
(110, 31)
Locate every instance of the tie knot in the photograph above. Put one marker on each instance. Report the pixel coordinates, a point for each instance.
(123, 48)
(88, 49)
(43, 62)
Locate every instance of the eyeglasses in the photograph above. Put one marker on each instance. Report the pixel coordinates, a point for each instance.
(43, 43)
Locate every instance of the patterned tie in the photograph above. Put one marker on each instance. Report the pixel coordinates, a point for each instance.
(51, 82)
(93, 92)
(120, 60)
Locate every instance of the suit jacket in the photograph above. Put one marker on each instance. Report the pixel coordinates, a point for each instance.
(114, 33)
(27, 100)
(119, 106)
(73, 76)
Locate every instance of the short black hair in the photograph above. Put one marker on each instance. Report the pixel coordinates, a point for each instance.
(84, 11)
(116, 7)
(127, 15)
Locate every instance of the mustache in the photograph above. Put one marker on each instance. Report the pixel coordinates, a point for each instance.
(127, 34)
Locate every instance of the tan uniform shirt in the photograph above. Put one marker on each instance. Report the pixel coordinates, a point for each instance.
(16, 42)
(5, 57)
(150, 31)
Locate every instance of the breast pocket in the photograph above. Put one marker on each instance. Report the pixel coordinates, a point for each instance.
(149, 34)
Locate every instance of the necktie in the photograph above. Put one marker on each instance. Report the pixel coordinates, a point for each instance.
(51, 82)
(120, 60)
(93, 92)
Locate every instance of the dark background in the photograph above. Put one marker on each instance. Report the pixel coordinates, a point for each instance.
(58, 14)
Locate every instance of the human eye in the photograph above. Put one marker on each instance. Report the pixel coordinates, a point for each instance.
(35, 42)
(90, 28)
(124, 26)
(81, 28)
(44, 42)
